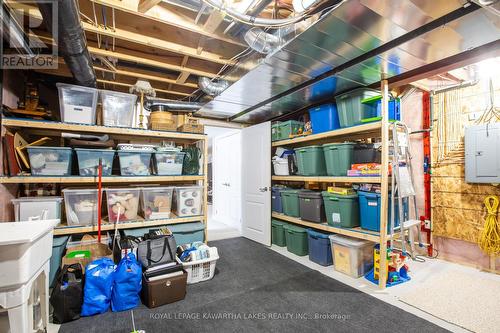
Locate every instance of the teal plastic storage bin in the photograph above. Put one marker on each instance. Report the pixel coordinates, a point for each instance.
(184, 233)
(88, 161)
(311, 161)
(369, 211)
(283, 130)
(290, 202)
(58, 247)
(278, 232)
(351, 110)
(341, 210)
(338, 158)
(296, 240)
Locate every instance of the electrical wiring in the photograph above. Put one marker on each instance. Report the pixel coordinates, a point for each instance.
(489, 239)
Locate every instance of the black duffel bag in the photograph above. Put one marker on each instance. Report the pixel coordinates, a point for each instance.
(67, 296)
(156, 250)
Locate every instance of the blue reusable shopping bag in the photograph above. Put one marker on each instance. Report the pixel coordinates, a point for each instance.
(127, 284)
(99, 275)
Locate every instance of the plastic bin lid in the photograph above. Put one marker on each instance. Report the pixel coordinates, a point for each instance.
(295, 228)
(157, 188)
(368, 194)
(338, 195)
(181, 188)
(72, 86)
(339, 144)
(186, 227)
(278, 222)
(122, 189)
(357, 92)
(289, 122)
(117, 93)
(349, 241)
(290, 192)
(46, 147)
(310, 147)
(96, 150)
(169, 152)
(308, 194)
(80, 190)
(317, 234)
(36, 199)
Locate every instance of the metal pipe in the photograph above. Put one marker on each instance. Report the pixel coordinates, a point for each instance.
(71, 39)
(172, 105)
(238, 28)
(261, 41)
(212, 88)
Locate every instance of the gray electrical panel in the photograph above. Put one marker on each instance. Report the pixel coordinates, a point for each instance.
(482, 154)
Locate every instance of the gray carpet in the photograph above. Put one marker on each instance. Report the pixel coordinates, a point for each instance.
(258, 290)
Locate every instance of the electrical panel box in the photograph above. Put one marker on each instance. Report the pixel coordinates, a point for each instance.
(482, 154)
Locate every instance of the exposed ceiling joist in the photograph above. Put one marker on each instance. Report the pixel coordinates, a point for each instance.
(213, 22)
(128, 85)
(146, 77)
(166, 16)
(183, 76)
(145, 5)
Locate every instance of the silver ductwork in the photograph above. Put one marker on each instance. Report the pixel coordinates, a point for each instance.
(71, 39)
(171, 105)
(261, 41)
(212, 88)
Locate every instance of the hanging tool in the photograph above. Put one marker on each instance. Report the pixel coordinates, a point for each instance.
(99, 200)
(402, 190)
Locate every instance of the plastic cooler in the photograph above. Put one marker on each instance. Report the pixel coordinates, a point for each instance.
(351, 256)
(283, 130)
(276, 199)
(278, 232)
(33, 207)
(311, 206)
(135, 162)
(123, 204)
(169, 163)
(338, 158)
(88, 161)
(156, 202)
(341, 210)
(188, 201)
(81, 206)
(77, 104)
(50, 161)
(369, 211)
(311, 161)
(351, 110)
(320, 250)
(376, 104)
(118, 108)
(366, 153)
(324, 118)
(296, 240)
(290, 202)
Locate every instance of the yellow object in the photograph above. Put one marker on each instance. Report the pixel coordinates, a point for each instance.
(489, 240)
(341, 190)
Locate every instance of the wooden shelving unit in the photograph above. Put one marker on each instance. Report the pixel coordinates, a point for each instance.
(372, 130)
(50, 128)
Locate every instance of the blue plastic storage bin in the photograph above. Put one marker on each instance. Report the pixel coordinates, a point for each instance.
(369, 211)
(276, 199)
(324, 118)
(320, 250)
(184, 233)
(58, 247)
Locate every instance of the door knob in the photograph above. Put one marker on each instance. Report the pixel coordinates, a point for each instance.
(263, 189)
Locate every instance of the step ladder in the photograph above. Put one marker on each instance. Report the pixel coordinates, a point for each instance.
(403, 192)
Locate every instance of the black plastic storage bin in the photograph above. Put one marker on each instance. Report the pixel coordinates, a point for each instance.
(311, 206)
(320, 248)
(366, 153)
(277, 206)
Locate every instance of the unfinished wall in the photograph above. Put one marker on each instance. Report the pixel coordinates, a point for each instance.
(457, 207)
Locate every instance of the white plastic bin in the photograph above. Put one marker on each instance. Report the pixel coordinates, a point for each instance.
(77, 104)
(50, 161)
(351, 256)
(169, 163)
(88, 161)
(33, 207)
(118, 108)
(135, 162)
(156, 202)
(123, 204)
(81, 206)
(280, 166)
(201, 270)
(188, 200)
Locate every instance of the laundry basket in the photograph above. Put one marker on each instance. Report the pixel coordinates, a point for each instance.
(201, 270)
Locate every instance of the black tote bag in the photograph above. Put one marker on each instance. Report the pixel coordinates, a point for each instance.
(67, 296)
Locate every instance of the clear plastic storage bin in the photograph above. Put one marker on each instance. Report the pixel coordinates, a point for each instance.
(188, 200)
(118, 108)
(156, 202)
(351, 256)
(169, 163)
(50, 161)
(135, 162)
(81, 206)
(88, 161)
(77, 104)
(33, 207)
(123, 204)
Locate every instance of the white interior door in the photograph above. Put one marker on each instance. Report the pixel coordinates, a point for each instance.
(226, 162)
(256, 183)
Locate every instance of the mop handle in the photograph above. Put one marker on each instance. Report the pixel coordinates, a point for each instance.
(99, 200)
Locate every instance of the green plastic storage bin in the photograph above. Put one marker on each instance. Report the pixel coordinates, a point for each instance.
(311, 161)
(275, 130)
(283, 130)
(341, 210)
(338, 158)
(278, 232)
(290, 202)
(351, 110)
(296, 240)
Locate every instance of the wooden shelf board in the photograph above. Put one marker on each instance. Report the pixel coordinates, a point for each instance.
(56, 126)
(69, 230)
(326, 179)
(352, 232)
(93, 180)
(371, 128)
